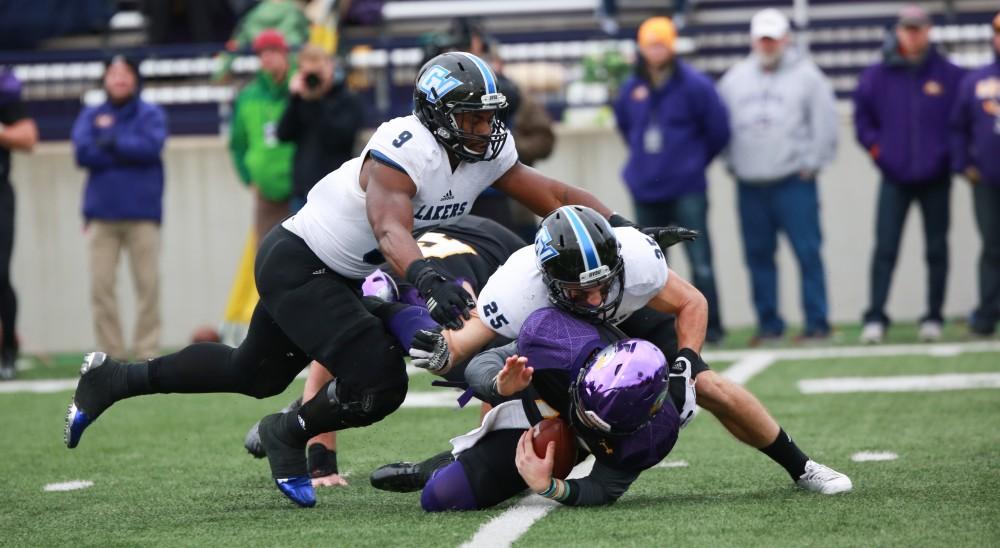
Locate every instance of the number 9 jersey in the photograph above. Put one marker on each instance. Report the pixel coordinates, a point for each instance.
(334, 222)
(517, 288)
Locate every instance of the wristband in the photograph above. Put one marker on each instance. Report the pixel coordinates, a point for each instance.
(558, 490)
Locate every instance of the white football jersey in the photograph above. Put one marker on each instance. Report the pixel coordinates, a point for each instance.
(334, 223)
(517, 289)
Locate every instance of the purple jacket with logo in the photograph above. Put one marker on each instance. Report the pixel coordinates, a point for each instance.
(902, 111)
(975, 129)
(693, 126)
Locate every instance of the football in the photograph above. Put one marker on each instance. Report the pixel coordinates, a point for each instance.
(556, 430)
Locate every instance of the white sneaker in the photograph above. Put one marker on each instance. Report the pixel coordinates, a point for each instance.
(824, 480)
(930, 331)
(872, 333)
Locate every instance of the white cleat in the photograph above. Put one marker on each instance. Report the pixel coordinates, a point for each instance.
(824, 480)
(872, 333)
(930, 331)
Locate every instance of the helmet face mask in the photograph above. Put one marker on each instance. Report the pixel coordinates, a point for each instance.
(457, 83)
(578, 253)
(620, 388)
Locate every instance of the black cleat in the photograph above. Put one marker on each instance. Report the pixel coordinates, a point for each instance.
(288, 462)
(406, 477)
(102, 382)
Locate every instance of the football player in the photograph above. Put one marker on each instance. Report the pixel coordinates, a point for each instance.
(416, 172)
(583, 265)
(468, 251)
(624, 404)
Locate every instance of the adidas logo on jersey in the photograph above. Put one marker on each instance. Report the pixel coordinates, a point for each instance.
(447, 196)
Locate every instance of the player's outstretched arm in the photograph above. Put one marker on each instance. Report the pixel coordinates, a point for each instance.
(542, 194)
(682, 299)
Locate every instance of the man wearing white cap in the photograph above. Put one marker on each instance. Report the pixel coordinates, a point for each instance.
(784, 130)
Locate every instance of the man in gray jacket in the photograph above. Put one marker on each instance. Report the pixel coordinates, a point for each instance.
(784, 130)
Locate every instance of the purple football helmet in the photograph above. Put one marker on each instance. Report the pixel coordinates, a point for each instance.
(380, 284)
(620, 388)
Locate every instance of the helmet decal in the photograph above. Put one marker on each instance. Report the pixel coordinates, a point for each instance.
(591, 260)
(543, 246)
(437, 82)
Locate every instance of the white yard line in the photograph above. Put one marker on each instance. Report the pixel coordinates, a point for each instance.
(943, 349)
(900, 383)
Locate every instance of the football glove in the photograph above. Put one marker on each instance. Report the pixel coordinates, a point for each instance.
(429, 350)
(447, 301)
(663, 236)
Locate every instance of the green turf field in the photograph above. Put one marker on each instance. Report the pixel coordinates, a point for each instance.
(171, 470)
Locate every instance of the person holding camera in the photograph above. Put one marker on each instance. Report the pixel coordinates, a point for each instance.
(322, 119)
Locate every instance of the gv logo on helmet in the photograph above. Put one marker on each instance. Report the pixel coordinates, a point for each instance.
(437, 82)
(543, 246)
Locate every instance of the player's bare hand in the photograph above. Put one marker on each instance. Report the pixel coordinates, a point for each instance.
(333, 480)
(536, 472)
(515, 376)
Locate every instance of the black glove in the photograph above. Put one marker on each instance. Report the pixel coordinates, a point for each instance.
(447, 302)
(429, 350)
(663, 236)
(670, 235)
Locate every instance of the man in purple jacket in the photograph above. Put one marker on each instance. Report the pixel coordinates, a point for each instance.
(119, 142)
(901, 111)
(674, 124)
(975, 153)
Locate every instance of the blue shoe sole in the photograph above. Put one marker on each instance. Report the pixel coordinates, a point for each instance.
(298, 489)
(76, 419)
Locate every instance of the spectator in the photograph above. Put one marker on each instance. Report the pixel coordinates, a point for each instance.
(262, 162)
(784, 130)
(901, 110)
(322, 119)
(975, 153)
(284, 16)
(17, 132)
(119, 143)
(674, 124)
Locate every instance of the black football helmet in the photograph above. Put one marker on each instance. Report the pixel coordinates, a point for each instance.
(577, 250)
(456, 82)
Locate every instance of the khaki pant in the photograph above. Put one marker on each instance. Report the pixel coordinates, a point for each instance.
(141, 239)
(267, 214)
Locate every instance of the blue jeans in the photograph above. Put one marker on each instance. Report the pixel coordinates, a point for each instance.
(791, 206)
(987, 205)
(893, 204)
(691, 211)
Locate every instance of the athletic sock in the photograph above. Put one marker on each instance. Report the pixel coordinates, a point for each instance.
(784, 452)
(448, 489)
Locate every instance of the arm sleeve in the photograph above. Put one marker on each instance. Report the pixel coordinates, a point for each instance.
(88, 153)
(823, 117)
(238, 143)
(484, 368)
(288, 126)
(143, 146)
(604, 485)
(866, 126)
(961, 127)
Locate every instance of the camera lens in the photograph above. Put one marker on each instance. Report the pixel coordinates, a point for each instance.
(312, 80)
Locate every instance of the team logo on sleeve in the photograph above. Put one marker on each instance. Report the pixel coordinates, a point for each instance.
(437, 82)
(543, 246)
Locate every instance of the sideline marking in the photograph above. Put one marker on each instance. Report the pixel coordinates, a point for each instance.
(901, 383)
(872, 456)
(672, 464)
(68, 485)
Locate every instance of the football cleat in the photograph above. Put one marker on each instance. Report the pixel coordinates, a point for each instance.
(288, 462)
(824, 480)
(93, 395)
(299, 489)
(252, 440)
(872, 333)
(407, 477)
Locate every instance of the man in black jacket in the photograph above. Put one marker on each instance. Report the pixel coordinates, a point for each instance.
(322, 119)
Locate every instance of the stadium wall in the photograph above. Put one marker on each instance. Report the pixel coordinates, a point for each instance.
(208, 216)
